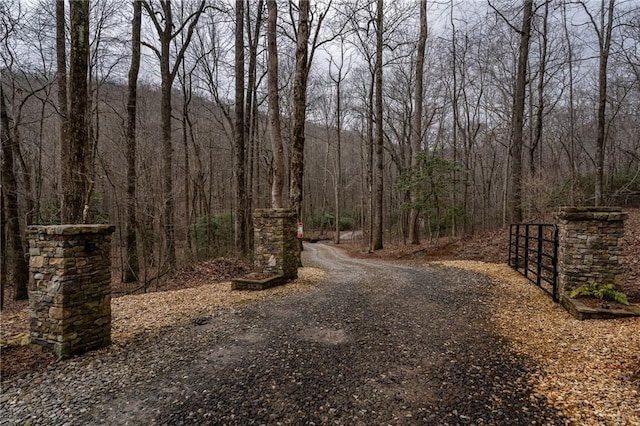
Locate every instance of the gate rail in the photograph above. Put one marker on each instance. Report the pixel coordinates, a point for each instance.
(533, 251)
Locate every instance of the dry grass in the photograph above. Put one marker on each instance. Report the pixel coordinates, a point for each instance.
(589, 370)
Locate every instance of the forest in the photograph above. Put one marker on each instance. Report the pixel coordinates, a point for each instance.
(405, 120)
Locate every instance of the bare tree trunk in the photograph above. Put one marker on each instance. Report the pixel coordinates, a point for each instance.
(456, 120)
(186, 99)
(299, 109)
(251, 116)
(61, 74)
(416, 128)
(75, 184)
(165, 29)
(542, 70)
(239, 135)
(338, 179)
(379, 189)
(19, 268)
(132, 267)
(605, 46)
(274, 108)
(572, 121)
(370, 144)
(167, 147)
(518, 113)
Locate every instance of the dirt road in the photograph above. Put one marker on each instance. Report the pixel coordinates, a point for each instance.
(377, 343)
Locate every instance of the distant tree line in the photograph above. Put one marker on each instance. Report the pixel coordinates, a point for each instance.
(405, 119)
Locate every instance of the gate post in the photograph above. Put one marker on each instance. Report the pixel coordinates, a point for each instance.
(590, 246)
(275, 243)
(70, 287)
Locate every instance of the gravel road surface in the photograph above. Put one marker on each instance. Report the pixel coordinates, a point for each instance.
(376, 343)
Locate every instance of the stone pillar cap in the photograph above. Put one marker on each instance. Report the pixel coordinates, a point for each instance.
(70, 229)
(607, 214)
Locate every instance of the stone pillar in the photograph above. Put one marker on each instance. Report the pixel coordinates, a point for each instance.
(275, 242)
(70, 287)
(590, 247)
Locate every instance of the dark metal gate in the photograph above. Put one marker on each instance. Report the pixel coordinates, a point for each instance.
(533, 251)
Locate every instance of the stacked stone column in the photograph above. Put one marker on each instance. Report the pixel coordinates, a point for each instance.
(591, 246)
(70, 287)
(275, 243)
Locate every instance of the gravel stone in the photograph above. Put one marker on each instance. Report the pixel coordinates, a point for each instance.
(376, 343)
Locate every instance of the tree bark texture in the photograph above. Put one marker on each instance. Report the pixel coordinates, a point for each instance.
(416, 125)
(75, 183)
(542, 71)
(379, 188)
(274, 107)
(167, 78)
(299, 109)
(605, 47)
(19, 268)
(239, 135)
(251, 117)
(517, 121)
(61, 75)
(132, 266)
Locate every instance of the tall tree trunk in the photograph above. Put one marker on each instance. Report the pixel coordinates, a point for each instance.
(370, 150)
(605, 46)
(165, 28)
(274, 107)
(168, 217)
(75, 184)
(299, 108)
(19, 268)
(379, 189)
(338, 180)
(132, 267)
(572, 122)
(456, 120)
(416, 127)
(61, 75)
(239, 135)
(517, 121)
(542, 70)
(251, 116)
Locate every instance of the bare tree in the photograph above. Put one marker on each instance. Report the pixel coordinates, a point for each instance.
(61, 75)
(75, 179)
(416, 126)
(251, 114)
(132, 267)
(338, 184)
(239, 135)
(299, 107)
(274, 107)
(166, 29)
(603, 28)
(379, 188)
(19, 269)
(517, 121)
(542, 71)
(517, 116)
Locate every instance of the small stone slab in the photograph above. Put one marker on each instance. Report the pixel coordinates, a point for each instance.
(583, 312)
(244, 283)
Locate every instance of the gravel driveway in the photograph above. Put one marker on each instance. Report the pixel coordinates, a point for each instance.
(377, 343)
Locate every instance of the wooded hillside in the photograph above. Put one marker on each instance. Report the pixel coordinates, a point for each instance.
(513, 109)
